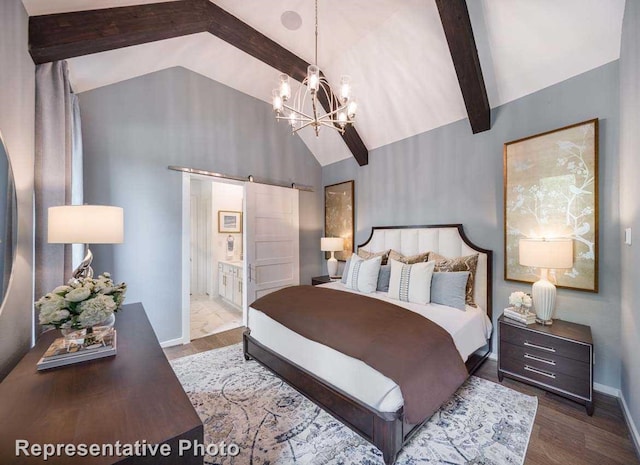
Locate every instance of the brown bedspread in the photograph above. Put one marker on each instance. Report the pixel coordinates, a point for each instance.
(413, 351)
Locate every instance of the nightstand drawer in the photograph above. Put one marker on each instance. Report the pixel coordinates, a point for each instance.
(546, 361)
(540, 344)
(548, 375)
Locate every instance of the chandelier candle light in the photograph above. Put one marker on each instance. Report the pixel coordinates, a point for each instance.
(342, 108)
(545, 254)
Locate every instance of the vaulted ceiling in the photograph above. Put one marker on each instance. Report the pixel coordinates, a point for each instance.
(395, 50)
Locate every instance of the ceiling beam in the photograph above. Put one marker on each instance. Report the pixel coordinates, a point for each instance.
(462, 46)
(66, 35)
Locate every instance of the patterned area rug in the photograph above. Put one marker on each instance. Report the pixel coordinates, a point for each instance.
(243, 403)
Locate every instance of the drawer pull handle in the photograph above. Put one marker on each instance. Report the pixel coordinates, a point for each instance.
(540, 359)
(540, 372)
(548, 349)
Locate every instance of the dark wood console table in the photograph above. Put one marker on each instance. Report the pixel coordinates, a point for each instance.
(134, 396)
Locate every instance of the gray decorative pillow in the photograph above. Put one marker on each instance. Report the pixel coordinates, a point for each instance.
(449, 288)
(468, 263)
(409, 260)
(344, 271)
(367, 255)
(383, 278)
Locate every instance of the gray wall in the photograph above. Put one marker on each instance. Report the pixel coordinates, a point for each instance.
(449, 175)
(630, 204)
(17, 107)
(134, 129)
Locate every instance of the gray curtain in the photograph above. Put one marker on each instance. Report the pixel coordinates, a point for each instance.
(58, 169)
(77, 192)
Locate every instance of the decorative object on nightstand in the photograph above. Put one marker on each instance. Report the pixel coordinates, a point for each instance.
(519, 311)
(522, 316)
(85, 224)
(315, 281)
(332, 244)
(545, 254)
(556, 358)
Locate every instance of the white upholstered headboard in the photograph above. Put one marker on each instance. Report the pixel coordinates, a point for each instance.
(448, 240)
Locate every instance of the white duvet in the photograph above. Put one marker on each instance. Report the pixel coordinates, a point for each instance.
(469, 330)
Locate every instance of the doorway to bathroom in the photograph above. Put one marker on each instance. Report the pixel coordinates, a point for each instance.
(216, 256)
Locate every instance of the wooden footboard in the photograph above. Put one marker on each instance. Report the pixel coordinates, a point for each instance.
(383, 430)
(387, 431)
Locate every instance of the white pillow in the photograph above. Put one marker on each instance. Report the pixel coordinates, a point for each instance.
(411, 283)
(362, 275)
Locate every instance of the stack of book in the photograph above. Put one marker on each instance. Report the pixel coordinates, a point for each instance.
(525, 317)
(60, 353)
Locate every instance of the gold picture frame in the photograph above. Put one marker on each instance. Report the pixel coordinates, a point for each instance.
(551, 190)
(229, 221)
(339, 216)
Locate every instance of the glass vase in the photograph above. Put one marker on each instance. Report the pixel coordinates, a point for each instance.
(87, 336)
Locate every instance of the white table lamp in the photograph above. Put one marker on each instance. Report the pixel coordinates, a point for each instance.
(85, 224)
(332, 244)
(545, 254)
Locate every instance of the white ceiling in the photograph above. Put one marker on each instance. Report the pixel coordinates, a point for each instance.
(395, 51)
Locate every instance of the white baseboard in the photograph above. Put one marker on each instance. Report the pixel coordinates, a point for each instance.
(633, 429)
(493, 356)
(605, 389)
(171, 342)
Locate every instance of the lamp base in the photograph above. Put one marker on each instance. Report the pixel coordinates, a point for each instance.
(543, 293)
(332, 266)
(84, 270)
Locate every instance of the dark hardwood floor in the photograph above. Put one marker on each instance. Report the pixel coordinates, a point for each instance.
(563, 434)
(215, 341)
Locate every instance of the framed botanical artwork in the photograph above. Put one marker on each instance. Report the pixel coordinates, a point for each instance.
(551, 191)
(229, 222)
(338, 216)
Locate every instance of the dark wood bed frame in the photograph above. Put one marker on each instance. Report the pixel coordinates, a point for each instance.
(388, 431)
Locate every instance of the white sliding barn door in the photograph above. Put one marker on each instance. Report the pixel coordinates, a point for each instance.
(272, 241)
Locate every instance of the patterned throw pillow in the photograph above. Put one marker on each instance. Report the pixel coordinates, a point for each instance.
(468, 263)
(411, 283)
(362, 275)
(421, 257)
(367, 255)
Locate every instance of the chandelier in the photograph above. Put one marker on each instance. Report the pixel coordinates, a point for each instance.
(342, 107)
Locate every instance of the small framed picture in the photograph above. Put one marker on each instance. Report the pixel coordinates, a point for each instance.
(229, 222)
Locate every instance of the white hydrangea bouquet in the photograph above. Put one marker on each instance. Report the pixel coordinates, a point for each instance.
(519, 299)
(82, 303)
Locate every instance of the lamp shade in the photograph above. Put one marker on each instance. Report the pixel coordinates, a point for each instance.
(331, 244)
(546, 253)
(86, 224)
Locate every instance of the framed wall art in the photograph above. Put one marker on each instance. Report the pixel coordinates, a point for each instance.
(229, 222)
(338, 216)
(551, 191)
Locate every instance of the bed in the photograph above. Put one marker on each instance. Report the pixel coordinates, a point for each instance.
(361, 397)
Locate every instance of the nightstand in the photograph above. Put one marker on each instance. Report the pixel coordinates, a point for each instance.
(321, 280)
(557, 358)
